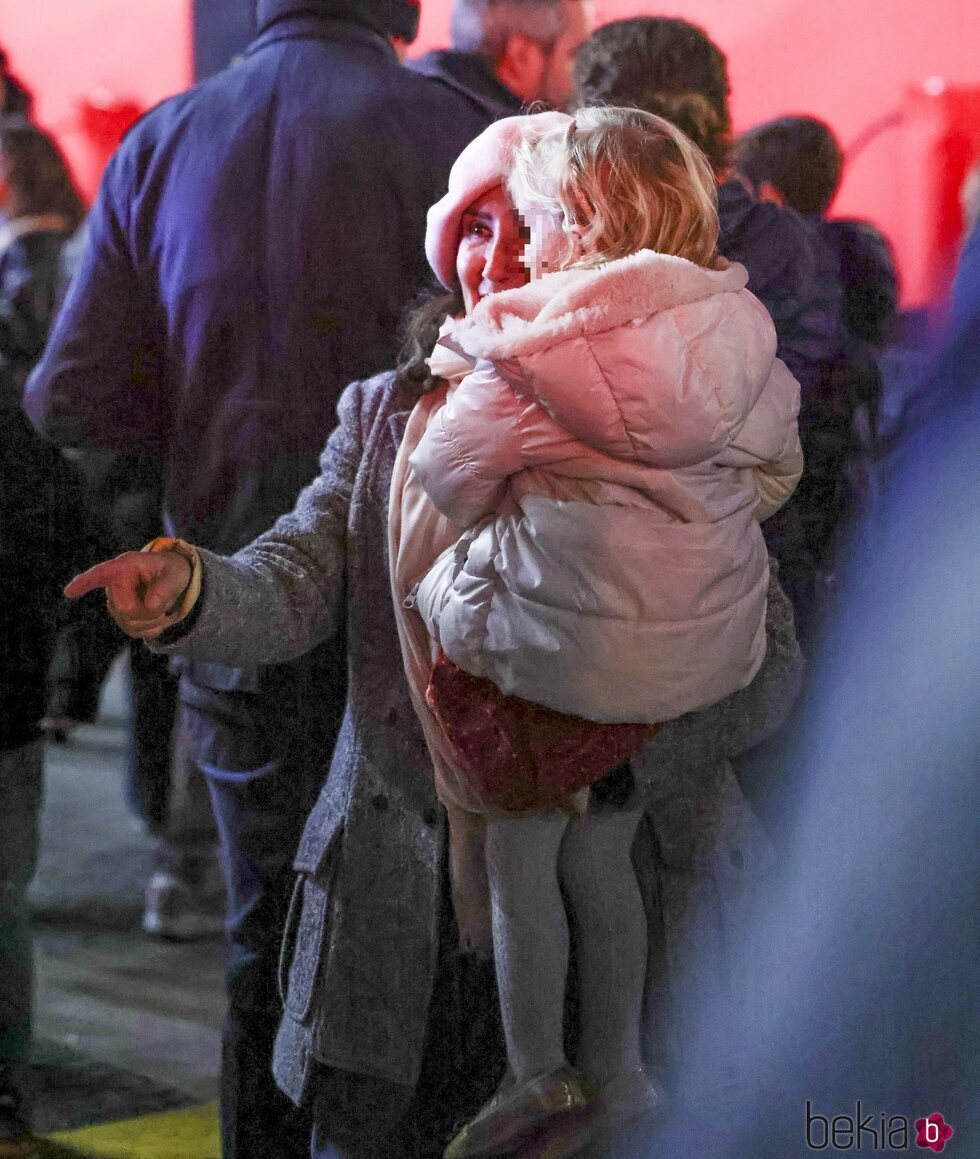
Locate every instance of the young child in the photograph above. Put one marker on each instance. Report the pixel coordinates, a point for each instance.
(797, 161)
(613, 433)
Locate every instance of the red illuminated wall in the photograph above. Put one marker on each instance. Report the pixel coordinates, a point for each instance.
(67, 51)
(848, 62)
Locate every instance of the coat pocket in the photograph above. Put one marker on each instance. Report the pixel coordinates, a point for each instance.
(300, 961)
(302, 946)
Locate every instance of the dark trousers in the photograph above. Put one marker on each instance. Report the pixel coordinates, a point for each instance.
(264, 750)
(88, 644)
(20, 809)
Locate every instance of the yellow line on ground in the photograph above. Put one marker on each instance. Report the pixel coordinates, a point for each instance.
(187, 1134)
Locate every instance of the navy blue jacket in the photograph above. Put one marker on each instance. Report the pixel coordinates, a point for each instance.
(788, 272)
(253, 245)
(472, 78)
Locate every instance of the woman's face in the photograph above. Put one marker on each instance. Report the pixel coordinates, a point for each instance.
(492, 240)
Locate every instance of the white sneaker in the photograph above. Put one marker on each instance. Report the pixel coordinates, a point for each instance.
(177, 911)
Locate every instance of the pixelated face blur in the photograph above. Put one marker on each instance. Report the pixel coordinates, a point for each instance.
(490, 245)
(547, 243)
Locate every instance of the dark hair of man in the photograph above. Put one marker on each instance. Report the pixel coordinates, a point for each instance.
(37, 173)
(483, 27)
(419, 331)
(663, 65)
(799, 156)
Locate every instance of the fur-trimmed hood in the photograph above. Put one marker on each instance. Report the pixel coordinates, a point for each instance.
(579, 302)
(649, 358)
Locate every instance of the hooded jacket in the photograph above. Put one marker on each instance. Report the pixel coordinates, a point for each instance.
(623, 432)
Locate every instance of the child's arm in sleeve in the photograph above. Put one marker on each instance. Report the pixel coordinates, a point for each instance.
(472, 445)
(769, 442)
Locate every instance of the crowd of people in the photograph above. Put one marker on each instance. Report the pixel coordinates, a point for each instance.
(483, 477)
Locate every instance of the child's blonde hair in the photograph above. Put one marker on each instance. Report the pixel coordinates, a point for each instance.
(622, 180)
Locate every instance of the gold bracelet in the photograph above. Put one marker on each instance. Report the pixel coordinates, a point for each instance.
(192, 592)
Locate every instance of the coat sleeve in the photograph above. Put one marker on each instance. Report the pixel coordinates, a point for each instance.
(283, 594)
(700, 740)
(769, 442)
(484, 434)
(98, 383)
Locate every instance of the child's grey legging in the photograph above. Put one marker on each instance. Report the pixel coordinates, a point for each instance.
(526, 856)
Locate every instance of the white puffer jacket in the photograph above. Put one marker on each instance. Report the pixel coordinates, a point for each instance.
(611, 453)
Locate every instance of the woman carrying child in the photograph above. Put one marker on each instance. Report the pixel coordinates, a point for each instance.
(289, 589)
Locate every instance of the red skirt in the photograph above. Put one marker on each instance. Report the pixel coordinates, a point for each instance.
(519, 756)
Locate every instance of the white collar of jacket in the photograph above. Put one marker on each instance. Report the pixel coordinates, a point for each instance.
(579, 302)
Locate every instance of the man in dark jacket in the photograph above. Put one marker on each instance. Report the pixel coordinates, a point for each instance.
(41, 544)
(506, 55)
(43, 539)
(252, 248)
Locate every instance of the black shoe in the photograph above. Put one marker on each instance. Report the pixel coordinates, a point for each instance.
(16, 1138)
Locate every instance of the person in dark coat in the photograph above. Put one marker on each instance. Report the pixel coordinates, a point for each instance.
(671, 67)
(798, 162)
(507, 55)
(253, 244)
(43, 538)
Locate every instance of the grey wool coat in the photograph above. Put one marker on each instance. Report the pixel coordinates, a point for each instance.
(360, 948)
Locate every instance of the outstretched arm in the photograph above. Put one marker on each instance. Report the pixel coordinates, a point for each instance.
(769, 442)
(270, 602)
(471, 446)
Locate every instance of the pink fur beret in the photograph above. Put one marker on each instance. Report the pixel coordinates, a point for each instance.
(482, 165)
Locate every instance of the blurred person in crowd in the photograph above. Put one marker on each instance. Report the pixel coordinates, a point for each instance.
(390, 1026)
(184, 895)
(507, 55)
(123, 492)
(968, 270)
(15, 98)
(41, 515)
(797, 161)
(252, 247)
(43, 537)
(41, 210)
(671, 67)
(867, 944)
